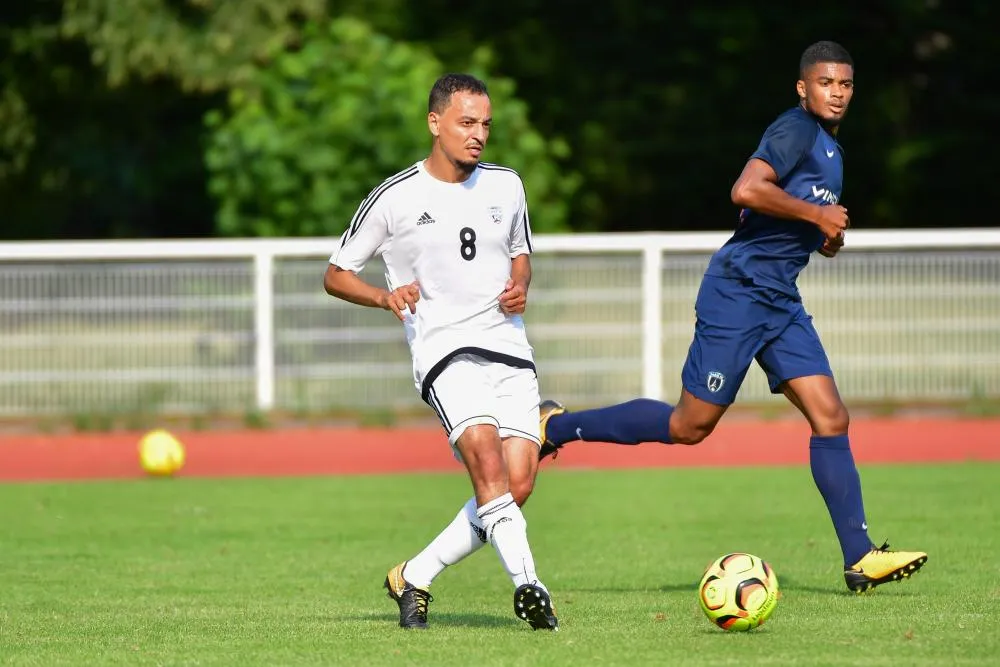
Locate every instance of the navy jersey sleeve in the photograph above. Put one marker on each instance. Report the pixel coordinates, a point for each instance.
(785, 143)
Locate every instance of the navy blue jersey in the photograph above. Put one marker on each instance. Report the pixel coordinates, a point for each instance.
(770, 251)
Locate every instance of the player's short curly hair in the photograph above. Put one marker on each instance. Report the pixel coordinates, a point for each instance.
(824, 52)
(449, 84)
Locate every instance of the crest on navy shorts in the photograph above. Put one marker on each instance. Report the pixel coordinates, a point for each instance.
(496, 213)
(715, 381)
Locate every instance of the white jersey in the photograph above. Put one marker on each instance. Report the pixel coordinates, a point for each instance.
(457, 241)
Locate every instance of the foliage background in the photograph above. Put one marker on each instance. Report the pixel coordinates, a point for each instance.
(193, 118)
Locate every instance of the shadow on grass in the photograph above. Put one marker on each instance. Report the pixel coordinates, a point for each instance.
(443, 619)
(665, 588)
(786, 585)
(759, 630)
(839, 589)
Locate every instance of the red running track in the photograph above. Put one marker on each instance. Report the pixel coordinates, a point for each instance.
(358, 451)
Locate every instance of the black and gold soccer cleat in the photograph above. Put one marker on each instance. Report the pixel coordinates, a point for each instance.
(412, 601)
(533, 604)
(880, 566)
(546, 410)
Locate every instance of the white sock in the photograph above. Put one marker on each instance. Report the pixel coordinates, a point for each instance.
(507, 531)
(463, 536)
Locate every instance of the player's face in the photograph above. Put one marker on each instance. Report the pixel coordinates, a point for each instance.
(826, 91)
(463, 128)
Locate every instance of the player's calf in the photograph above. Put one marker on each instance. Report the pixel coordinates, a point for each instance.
(521, 455)
(521, 487)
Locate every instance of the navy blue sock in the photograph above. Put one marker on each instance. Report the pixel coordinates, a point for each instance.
(639, 420)
(837, 479)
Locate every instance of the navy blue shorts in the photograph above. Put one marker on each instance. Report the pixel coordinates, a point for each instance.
(739, 322)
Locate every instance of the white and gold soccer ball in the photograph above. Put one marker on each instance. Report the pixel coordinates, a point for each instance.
(160, 453)
(738, 592)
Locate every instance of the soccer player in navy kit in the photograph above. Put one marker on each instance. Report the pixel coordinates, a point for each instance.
(749, 308)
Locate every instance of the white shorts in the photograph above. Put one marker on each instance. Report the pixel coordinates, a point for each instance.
(472, 390)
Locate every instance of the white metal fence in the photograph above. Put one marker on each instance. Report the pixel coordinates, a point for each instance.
(224, 325)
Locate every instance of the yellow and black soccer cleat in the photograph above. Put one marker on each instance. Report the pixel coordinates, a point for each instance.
(880, 565)
(546, 410)
(412, 601)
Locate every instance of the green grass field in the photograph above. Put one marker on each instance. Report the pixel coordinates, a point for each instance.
(289, 571)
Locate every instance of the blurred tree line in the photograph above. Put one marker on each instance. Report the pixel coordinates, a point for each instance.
(175, 118)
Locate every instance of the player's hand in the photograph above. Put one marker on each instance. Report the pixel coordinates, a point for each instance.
(402, 299)
(833, 220)
(514, 298)
(832, 246)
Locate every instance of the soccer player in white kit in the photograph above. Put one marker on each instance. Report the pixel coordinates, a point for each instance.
(454, 235)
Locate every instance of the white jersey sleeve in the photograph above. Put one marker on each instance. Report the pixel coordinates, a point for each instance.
(368, 234)
(520, 231)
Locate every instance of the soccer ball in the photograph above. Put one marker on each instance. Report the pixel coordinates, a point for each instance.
(160, 453)
(738, 592)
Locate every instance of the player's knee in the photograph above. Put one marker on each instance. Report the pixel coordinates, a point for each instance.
(685, 432)
(835, 420)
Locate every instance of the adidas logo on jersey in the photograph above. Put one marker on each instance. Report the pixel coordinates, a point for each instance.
(425, 219)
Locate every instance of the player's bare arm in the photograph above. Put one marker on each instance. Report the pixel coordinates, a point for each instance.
(757, 189)
(348, 286)
(514, 297)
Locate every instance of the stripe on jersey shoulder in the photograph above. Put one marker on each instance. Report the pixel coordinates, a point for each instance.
(373, 196)
(490, 166)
